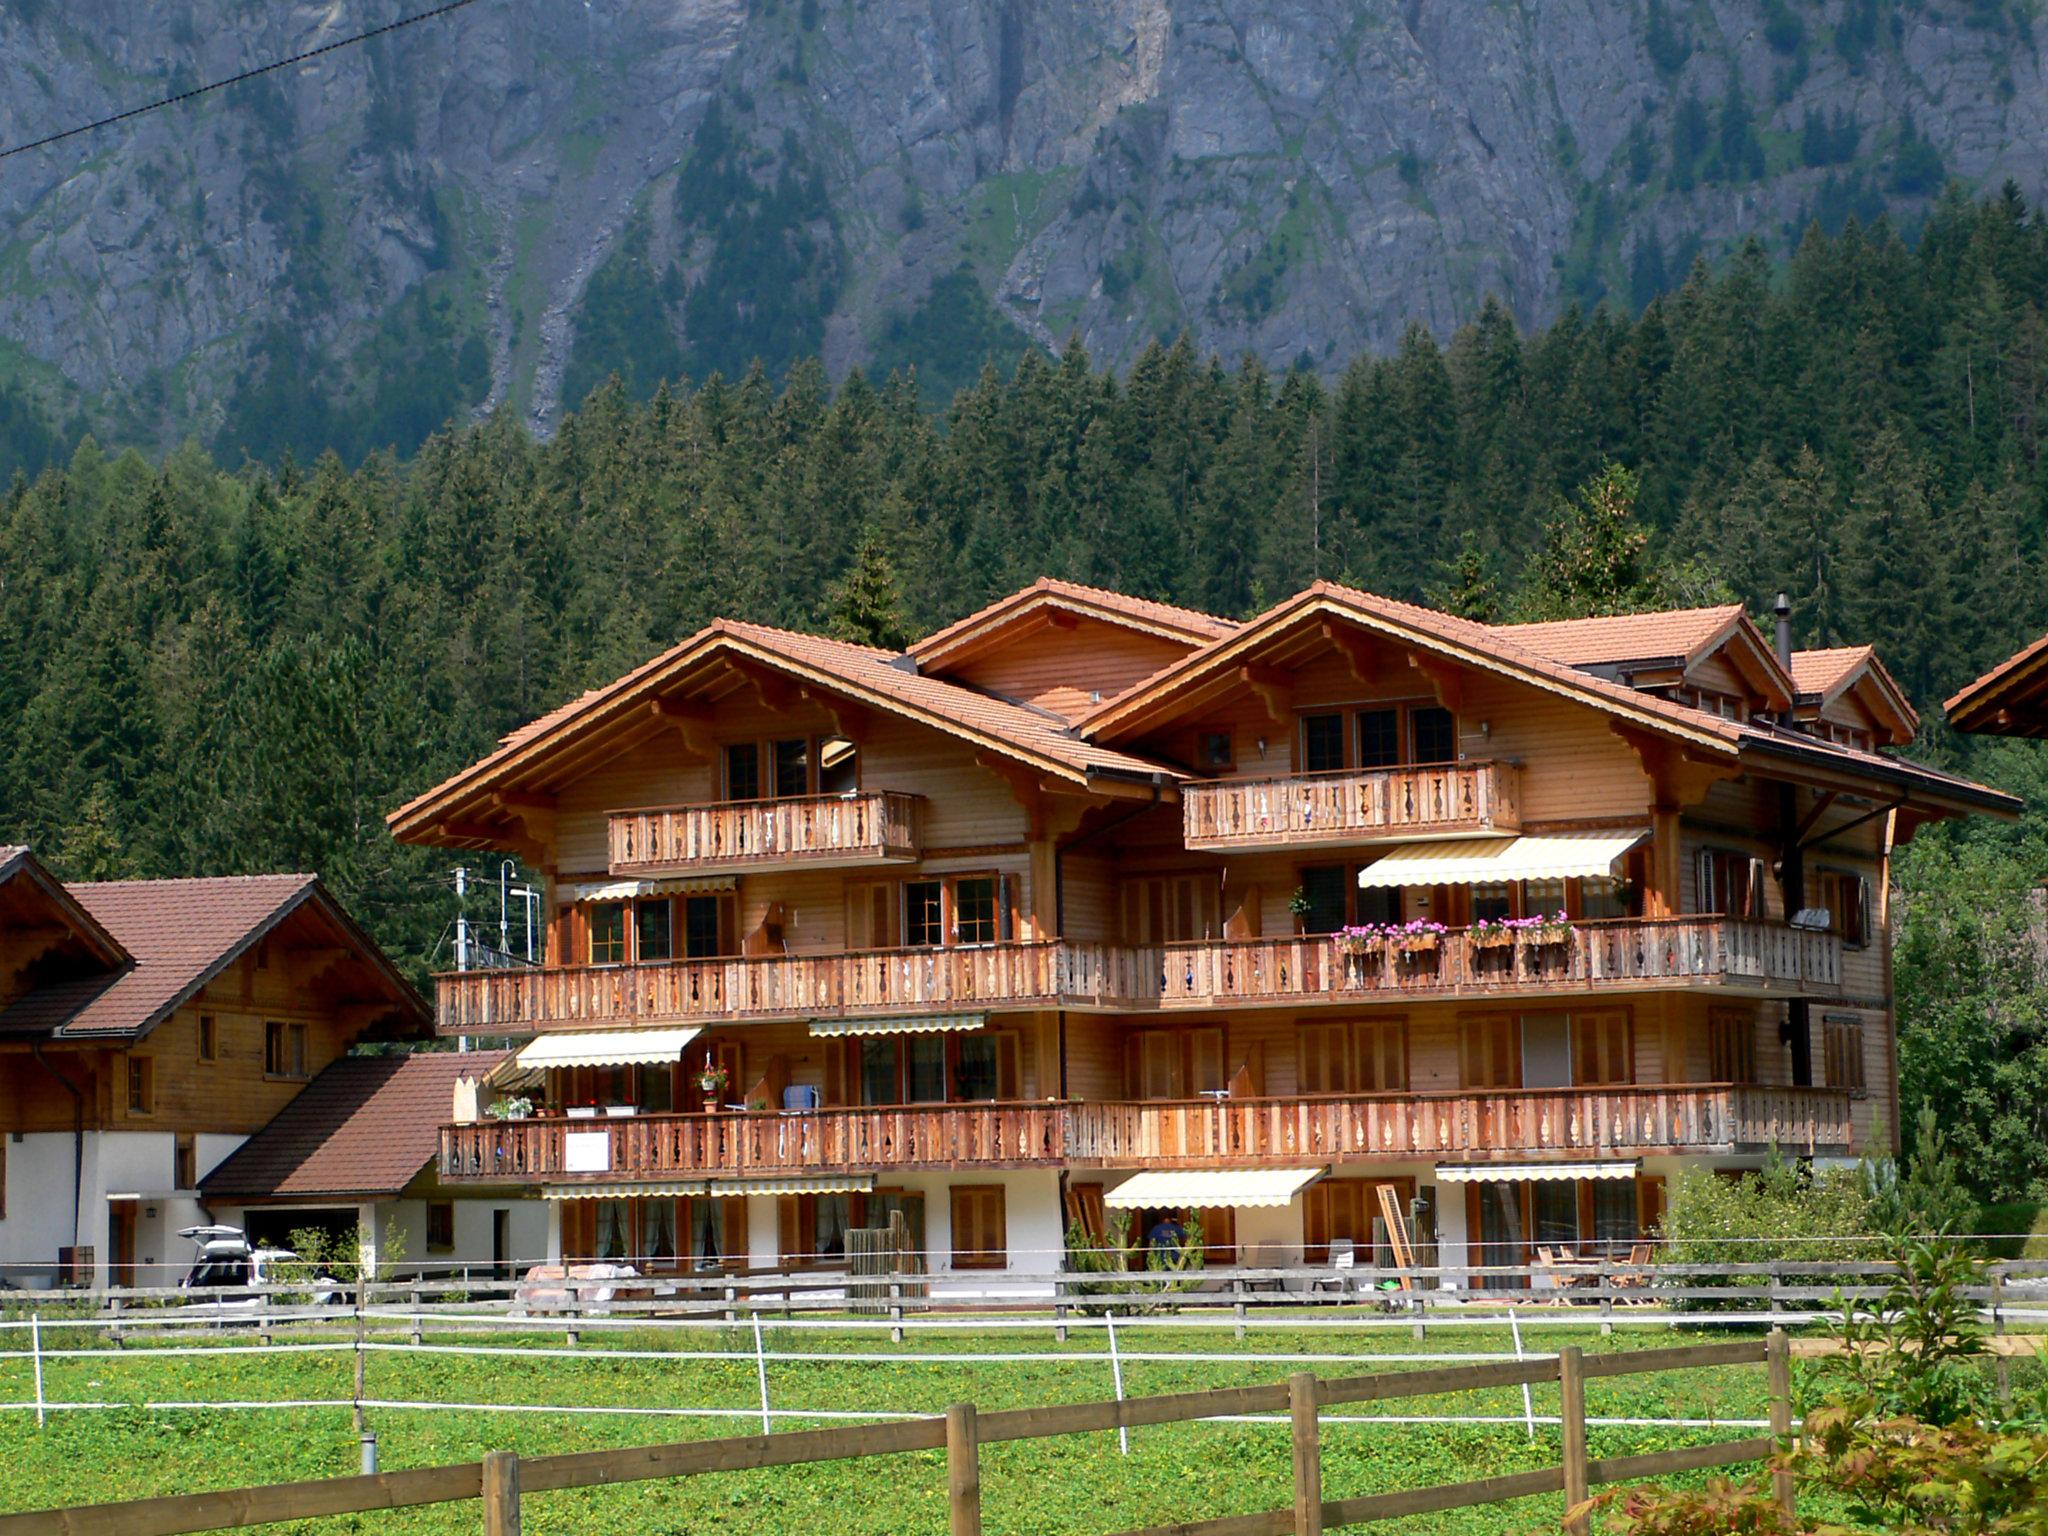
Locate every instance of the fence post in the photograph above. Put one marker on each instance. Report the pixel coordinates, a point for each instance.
(1116, 1375)
(1571, 1383)
(359, 1394)
(35, 1344)
(1237, 1306)
(1420, 1302)
(501, 1493)
(2001, 1367)
(1779, 1363)
(1303, 1401)
(1606, 1301)
(114, 1329)
(963, 1471)
(761, 1375)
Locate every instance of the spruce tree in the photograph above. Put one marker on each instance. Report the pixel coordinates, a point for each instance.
(864, 605)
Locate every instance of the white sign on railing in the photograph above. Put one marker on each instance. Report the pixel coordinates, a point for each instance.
(587, 1152)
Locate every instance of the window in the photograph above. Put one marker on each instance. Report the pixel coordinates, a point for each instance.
(1214, 750)
(1600, 1048)
(1380, 904)
(184, 1162)
(703, 926)
(1322, 743)
(1379, 738)
(1174, 1063)
(1731, 883)
(1366, 1056)
(1492, 901)
(1433, 735)
(1842, 1051)
(974, 906)
(1540, 898)
(209, 1045)
(1554, 1212)
(828, 1219)
(652, 938)
(924, 913)
(838, 766)
(440, 1226)
(743, 771)
(1381, 1059)
(1615, 1214)
(1731, 1046)
(980, 1236)
(1322, 1060)
(1601, 896)
(1847, 898)
(284, 1049)
(936, 1068)
(607, 920)
(141, 1085)
(792, 767)
(1328, 888)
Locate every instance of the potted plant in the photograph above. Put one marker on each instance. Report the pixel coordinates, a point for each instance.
(1299, 904)
(711, 1080)
(516, 1107)
(1418, 937)
(1545, 931)
(1360, 939)
(1491, 933)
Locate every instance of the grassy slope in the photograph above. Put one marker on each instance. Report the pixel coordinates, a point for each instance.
(1043, 1488)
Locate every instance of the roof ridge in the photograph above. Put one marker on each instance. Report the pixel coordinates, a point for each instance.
(298, 875)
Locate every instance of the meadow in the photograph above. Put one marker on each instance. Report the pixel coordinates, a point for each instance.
(1066, 1487)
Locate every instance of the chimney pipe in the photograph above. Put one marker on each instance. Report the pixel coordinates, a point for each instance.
(1784, 612)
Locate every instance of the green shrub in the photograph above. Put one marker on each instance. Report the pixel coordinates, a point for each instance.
(1780, 1213)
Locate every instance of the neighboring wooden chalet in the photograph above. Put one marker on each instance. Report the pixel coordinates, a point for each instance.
(2009, 700)
(357, 1153)
(147, 1027)
(1034, 922)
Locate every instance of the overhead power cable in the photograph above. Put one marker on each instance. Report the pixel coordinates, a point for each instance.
(247, 74)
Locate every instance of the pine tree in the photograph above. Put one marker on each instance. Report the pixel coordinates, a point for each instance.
(864, 605)
(1594, 558)
(90, 848)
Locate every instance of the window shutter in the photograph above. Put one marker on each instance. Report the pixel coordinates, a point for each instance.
(1758, 875)
(1206, 1061)
(1008, 1076)
(735, 1240)
(1703, 866)
(789, 1241)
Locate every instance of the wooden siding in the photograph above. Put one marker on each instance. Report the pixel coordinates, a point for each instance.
(1065, 670)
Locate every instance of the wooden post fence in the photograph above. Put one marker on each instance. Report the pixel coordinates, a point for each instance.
(1779, 1363)
(963, 1471)
(502, 1476)
(1304, 1406)
(1571, 1384)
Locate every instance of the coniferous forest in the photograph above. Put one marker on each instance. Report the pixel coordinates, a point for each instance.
(213, 667)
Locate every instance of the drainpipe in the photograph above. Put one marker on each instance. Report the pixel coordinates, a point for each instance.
(35, 1049)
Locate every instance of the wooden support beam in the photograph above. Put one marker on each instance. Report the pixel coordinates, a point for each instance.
(523, 800)
(1275, 690)
(1812, 817)
(1357, 652)
(777, 694)
(691, 721)
(849, 719)
(1444, 679)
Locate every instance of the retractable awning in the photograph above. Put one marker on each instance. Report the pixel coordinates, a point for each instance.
(1558, 856)
(1515, 1173)
(842, 1184)
(628, 890)
(717, 1189)
(1206, 1188)
(924, 1024)
(606, 1048)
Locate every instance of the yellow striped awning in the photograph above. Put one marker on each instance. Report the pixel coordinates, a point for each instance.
(1515, 1173)
(618, 1191)
(841, 1184)
(605, 1048)
(628, 890)
(918, 1024)
(1207, 1188)
(1483, 861)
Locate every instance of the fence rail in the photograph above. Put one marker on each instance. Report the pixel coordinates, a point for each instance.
(874, 827)
(502, 1480)
(1307, 809)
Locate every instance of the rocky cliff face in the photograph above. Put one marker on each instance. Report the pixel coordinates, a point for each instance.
(527, 194)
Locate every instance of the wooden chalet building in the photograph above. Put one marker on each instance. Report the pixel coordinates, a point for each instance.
(147, 1028)
(1033, 922)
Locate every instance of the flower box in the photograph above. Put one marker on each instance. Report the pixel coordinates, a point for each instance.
(1492, 938)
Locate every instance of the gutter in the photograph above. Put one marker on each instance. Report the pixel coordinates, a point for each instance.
(1975, 796)
(35, 1049)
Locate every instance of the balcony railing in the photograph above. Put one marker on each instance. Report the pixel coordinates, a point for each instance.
(821, 831)
(1354, 806)
(1611, 1121)
(1758, 959)
(754, 1144)
(1616, 1121)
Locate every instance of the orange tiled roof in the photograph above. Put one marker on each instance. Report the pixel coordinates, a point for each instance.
(1189, 622)
(181, 934)
(859, 669)
(2009, 686)
(366, 1125)
(1680, 632)
(1817, 671)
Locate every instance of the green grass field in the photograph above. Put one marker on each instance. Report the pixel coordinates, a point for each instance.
(1064, 1487)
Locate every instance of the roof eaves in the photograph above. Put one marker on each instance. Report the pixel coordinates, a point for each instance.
(1960, 792)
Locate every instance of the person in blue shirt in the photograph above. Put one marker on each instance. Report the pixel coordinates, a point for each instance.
(1167, 1234)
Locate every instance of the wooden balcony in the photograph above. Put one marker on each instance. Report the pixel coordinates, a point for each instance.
(816, 831)
(1606, 1122)
(1309, 810)
(758, 1144)
(1631, 955)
